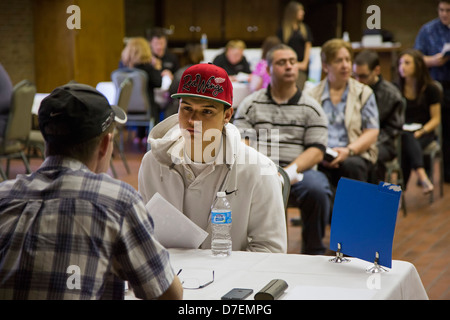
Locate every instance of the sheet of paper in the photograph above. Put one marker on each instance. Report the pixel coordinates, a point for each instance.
(446, 49)
(328, 293)
(172, 228)
(412, 126)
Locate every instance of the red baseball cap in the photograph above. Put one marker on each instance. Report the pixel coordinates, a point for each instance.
(207, 81)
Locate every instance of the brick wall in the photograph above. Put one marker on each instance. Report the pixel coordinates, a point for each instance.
(16, 39)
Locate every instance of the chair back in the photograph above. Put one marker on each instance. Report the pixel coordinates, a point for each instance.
(19, 121)
(139, 100)
(124, 94)
(286, 187)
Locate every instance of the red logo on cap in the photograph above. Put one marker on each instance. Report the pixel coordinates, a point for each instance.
(203, 85)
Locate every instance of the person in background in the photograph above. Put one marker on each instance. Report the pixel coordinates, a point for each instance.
(351, 108)
(260, 78)
(302, 138)
(198, 152)
(367, 70)
(193, 54)
(423, 107)
(6, 91)
(69, 230)
(137, 54)
(296, 34)
(233, 59)
(162, 58)
(430, 41)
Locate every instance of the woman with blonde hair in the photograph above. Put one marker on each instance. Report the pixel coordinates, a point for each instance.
(137, 54)
(296, 34)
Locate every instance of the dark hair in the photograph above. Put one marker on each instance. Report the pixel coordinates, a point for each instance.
(268, 44)
(368, 57)
(193, 53)
(421, 73)
(80, 151)
(281, 46)
(156, 33)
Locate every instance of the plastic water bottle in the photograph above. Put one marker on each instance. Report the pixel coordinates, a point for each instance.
(221, 226)
(204, 41)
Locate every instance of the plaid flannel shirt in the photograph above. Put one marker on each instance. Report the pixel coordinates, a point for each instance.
(67, 233)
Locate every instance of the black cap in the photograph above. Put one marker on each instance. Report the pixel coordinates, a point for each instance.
(75, 113)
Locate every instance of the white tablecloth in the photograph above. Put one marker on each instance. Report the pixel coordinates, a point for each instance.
(308, 277)
(240, 91)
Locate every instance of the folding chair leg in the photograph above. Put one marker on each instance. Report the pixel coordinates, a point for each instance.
(111, 165)
(2, 174)
(125, 163)
(25, 162)
(122, 156)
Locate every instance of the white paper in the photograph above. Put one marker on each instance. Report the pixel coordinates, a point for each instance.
(328, 293)
(172, 228)
(446, 48)
(412, 127)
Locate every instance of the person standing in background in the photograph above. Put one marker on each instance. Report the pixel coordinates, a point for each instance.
(430, 41)
(296, 34)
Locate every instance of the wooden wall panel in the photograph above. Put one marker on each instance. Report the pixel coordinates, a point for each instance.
(54, 45)
(87, 55)
(99, 42)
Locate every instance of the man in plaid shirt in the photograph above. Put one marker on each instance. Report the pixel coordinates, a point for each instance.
(70, 231)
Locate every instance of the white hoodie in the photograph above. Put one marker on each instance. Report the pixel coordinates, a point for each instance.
(259, 222)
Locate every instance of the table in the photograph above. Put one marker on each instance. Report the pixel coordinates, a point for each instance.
(308, 277)
(240, 91)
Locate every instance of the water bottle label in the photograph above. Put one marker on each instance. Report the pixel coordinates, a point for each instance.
(221, 217)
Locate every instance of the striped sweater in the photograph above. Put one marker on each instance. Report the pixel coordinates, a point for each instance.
(282, 131)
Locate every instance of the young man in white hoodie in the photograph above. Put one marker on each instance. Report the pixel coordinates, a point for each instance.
(197, 152)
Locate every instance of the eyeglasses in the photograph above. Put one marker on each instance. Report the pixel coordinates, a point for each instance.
(193, 284)
(361, 76)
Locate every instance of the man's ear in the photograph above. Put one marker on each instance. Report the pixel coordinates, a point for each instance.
(228, 114)
(104, 144)
(377, 70)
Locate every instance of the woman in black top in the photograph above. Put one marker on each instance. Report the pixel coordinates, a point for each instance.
(423, 106)
(296, 34)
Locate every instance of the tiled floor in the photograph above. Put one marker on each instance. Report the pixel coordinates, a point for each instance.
(422, 237)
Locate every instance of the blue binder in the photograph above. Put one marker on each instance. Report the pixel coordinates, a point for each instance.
(363, 220)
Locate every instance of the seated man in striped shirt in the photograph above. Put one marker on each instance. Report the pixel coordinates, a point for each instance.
(291, 128)
(70, 231)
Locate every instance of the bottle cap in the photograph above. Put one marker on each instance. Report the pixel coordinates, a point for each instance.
(221, 194)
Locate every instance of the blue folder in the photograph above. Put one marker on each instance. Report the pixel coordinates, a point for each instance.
(363, 220)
